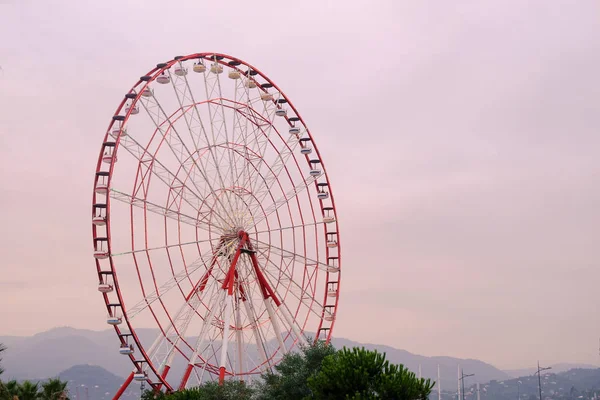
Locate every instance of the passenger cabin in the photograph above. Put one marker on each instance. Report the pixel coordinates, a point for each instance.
(332, 243)
(146, 92)
(180, 71)
(117, 130)
(314, 168)
(134, 110)
(140, 376)
(101, 188)
(163, 79)
(114, 320)
(107, 157)
(126, 349)
(216, 68)
(294, 130)
(266, 96)
(332, 290)
(333, 265)
(250, 84)
(199, 67)
(100, 254)
(99, 220)
(234, 74)
(105, 287)
(329, 313)
(281, 112)
(306, 150)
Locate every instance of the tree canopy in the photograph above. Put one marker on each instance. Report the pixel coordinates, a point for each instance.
(52, 389)
(366, 374)
(318, 371)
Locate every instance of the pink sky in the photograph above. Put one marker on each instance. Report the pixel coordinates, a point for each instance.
(461, 139)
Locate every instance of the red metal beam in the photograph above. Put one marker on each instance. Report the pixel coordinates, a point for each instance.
(123, 386)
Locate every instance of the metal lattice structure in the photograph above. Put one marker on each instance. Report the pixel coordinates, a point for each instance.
(216, 226)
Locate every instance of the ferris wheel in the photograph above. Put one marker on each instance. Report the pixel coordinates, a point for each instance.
(214, 226)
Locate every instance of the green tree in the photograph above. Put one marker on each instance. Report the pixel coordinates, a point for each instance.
(362, 374)
(230, 390)
(53, 389)
(289, 380)
(12, 389)
(28, 390)
(2, 349)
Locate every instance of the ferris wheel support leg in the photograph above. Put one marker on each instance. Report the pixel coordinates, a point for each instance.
(239, 338)
(225, 339)
(124, 386)
(199, 342)
(255, 327)
(228, 285)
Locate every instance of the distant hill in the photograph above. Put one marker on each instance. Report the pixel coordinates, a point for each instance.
(556, 368)
(448, 365)
(91, 382)
(49, 353)
(574, 384)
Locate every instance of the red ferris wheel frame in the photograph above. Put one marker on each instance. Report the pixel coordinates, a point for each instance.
(101, 209)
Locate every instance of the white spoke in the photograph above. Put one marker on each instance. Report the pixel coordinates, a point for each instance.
(170, 284)
(289, 254)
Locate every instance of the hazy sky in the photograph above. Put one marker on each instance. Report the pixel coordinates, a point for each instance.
(461, 139)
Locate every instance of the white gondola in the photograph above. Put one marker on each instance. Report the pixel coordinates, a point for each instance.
(329, 316)
(322, 195)
(281, 112)
(306, 150)
(294, 130)
(105, 287)
(116, 131)
(140, 376)
(99, 220)
(332, 293)
(114, 320)
(101, 188)
(264, 96)
(332, 270)
(315, 172)
(126, 349)
(332, 243)
(216, 68)
(250, 84)
(146, 92)
(328, 219)
(134, 110)
(107, 158)
(180, 71)
(163, 79)
(199, 67)
(100, 254)
(234, 74)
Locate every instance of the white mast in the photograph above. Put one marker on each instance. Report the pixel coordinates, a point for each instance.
(420, 371)
(458, 380)
(478, 396)
(439, 384)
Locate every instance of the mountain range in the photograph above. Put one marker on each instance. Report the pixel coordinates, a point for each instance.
(54, 352)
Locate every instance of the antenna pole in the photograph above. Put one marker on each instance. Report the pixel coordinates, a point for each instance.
(458, 382)
(439, 383)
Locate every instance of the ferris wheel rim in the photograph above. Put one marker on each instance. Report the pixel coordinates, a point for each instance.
(143, 83)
